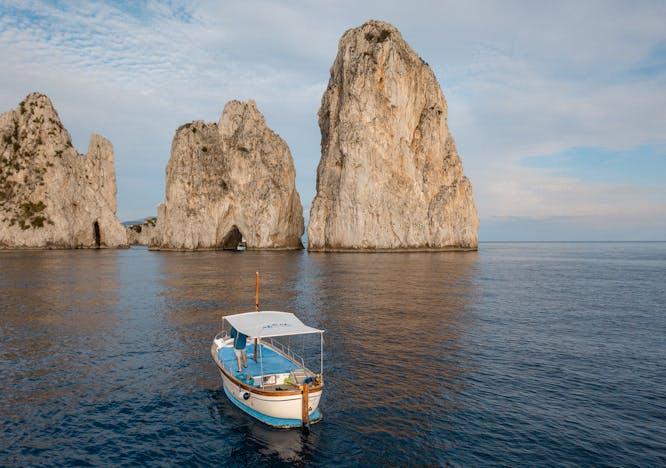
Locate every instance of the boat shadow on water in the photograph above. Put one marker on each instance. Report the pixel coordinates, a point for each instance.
(275, 444)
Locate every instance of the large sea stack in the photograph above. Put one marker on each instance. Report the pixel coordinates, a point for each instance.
(390, 177)
(227, 181)
(50, 195)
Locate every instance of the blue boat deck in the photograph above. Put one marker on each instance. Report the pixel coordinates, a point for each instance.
(273, 362)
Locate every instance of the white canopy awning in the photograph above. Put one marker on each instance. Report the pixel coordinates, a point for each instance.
(266, 324)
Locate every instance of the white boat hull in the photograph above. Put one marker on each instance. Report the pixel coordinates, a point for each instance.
(279, 407)
(276, 407)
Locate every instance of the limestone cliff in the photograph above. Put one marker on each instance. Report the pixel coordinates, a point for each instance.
(227, 181)
(50, 195)
(389, 176)
(142, 233)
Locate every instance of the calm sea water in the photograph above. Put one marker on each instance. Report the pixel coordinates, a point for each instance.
(520, 354)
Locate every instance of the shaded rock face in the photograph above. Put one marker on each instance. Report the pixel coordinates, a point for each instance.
(228, 181)
(50, 195)
(389, 176)
(142, 233)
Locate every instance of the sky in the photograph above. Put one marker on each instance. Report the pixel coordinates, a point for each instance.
(558, 109)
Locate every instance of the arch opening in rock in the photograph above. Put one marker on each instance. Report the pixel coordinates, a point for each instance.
(232, 239)
(97, 236)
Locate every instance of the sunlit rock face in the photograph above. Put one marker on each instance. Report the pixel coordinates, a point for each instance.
(50, 195)
(230, 181)
(142, 233)
(389, 175)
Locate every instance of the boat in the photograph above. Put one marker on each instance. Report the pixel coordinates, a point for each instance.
(276, 387)
(242, 245)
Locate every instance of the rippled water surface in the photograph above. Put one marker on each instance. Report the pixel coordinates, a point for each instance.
(520, 354)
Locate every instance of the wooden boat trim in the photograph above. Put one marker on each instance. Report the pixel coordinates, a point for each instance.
(258, 391)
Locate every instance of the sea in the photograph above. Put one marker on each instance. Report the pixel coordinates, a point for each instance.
(520, 354)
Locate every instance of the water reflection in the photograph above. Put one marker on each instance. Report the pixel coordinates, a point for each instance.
(287, 446)
(515, 355)
(58, 316)
(91, 341)
(393, 322)
(199, 288)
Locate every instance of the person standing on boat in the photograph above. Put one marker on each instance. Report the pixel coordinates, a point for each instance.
(240, 341)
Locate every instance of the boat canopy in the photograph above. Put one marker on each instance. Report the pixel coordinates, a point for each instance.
(266, 324)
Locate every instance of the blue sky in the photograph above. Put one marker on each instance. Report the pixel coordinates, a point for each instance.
(558, 108)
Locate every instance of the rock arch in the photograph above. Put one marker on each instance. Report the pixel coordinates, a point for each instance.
(97, 237)
(232, 238)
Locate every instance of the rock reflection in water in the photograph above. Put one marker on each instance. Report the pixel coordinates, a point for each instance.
(392, 326)
(393, 323)
(114, 346)
(58, 316)
(513, 355)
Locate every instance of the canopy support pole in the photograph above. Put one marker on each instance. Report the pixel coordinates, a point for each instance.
(261, 364)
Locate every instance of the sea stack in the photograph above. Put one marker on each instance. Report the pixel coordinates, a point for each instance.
(142, 233)
(50, 195)
(230, 181)
(389, 177)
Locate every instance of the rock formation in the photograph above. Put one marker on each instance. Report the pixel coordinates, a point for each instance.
(50, 195)
(142, 233)
(389, 176)
(227, 181)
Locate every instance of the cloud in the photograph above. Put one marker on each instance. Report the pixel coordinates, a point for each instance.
(522, 80)
(135, 76)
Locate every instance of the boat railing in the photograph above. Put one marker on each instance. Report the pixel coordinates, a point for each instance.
(223, 334)
(286, 350)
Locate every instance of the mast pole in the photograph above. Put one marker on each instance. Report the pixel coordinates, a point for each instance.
(256, 291)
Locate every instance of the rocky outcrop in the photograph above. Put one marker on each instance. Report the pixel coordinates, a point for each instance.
(389, 176)
(229, 181)
(50, 195)
(142, 233)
